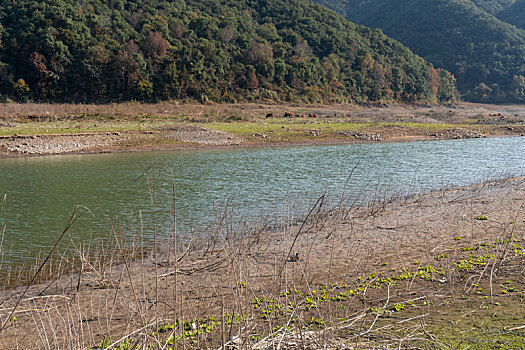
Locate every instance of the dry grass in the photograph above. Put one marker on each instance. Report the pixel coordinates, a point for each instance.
(461, 113)
(440, 270)
(130, 111)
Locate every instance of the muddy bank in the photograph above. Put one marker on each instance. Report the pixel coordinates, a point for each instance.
(407, 272)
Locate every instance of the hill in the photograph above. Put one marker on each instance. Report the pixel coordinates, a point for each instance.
(217, 50)
(493, 6)
(486, 55)
(514, 14)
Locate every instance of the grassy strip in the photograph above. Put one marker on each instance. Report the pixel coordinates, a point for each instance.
(301, 129)
(83, 126)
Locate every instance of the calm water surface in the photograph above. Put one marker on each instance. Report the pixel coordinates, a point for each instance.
(43, 191)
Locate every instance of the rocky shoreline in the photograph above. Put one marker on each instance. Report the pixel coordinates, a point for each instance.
(183, 136)
(63, 129)
(176, 136)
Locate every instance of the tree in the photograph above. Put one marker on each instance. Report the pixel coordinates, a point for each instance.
(128, 67)
(155, 46)
(253, 82)
(518, 86)
(482, 91)
(43, 73)
(21, 89)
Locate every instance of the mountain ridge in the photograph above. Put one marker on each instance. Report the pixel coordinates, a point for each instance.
(485, 54)
(204, 50)
(514, 14)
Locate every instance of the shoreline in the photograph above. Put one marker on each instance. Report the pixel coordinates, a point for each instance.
(421, 264)
(63, 129)
(196, 146)
(251, 145)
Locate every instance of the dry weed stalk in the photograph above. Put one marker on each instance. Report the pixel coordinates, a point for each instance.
(231, 286)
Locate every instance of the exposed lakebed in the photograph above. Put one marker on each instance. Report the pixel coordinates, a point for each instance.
(42, 192)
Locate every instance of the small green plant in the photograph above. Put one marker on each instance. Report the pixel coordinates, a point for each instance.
(377, 311)
(442, 256)
(398, 307)
(310, 302)
(481, 217)
(316, 321)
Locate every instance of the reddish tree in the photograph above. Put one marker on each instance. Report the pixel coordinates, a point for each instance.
(155, 46)
(433, 75)
(39, 63)
(128, 66)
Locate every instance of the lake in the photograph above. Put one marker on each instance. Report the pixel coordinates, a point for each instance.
(42, 192)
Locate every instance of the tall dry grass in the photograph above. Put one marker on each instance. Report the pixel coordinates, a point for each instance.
(131, 110)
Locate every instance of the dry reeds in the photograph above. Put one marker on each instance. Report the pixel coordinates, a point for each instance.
(389, 274)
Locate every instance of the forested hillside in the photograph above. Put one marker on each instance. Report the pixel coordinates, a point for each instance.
(217, 50)
(514, 14)
(486, 55)
(493, 6)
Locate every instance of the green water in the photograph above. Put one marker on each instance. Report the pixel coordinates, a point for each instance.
(43, 191)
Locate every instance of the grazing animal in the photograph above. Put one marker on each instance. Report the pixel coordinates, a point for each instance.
(288, 114)
(269, 115)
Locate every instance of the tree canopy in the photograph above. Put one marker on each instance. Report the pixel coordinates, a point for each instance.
(486, 55)
(514, 14)
(204, 50)
(493, 6)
